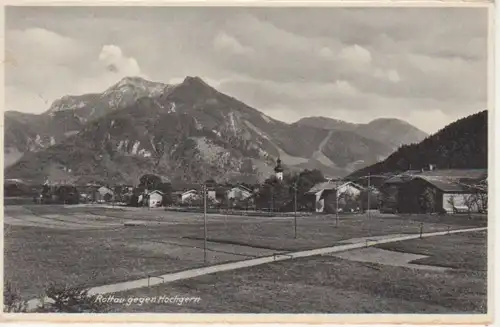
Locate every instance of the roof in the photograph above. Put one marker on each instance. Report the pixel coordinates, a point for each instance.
(13, 181)
(104, 189)
(183, 187)
(331, 185)
(443, 174)
(244, 188)
(156, 192)
(457, 173)
(449, 184)
(402, 177)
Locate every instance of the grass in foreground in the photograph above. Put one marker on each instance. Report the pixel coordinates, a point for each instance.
(37, 256)
(321, 285)
(459, 251)
(325, 284)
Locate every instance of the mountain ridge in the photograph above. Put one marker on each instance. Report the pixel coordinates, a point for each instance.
(381, 129)
(215, 129)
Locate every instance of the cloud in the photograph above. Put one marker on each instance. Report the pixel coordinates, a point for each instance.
(355, 54)
(110, 65)
(38, 44)
(347, 63)
(224, 42)
(47, 65)
(112, 56)
(391, 75)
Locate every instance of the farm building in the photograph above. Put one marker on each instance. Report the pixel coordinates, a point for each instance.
(16, 187)
(155, 199)
(104, 194)
(60, 194)
(325, 195)
(238, 192)
(442, 191)
(183, 197)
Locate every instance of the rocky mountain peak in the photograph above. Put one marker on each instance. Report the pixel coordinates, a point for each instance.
(138, 84)
(194, 80)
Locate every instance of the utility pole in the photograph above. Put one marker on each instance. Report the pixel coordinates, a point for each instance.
(369, 186)
(272, 200)
(369, 216)
(295, 208)
(204, 188)
(337, 208)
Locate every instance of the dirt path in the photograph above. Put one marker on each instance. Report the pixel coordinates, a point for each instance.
(319, 155)
(191, 273)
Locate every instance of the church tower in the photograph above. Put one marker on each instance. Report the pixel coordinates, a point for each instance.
(278, 170)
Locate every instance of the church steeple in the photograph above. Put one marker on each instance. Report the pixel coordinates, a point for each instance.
(278, 170)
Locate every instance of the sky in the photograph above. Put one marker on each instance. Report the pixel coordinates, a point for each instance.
(427, 66)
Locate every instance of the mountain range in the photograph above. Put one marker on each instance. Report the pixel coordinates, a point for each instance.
(185, 132)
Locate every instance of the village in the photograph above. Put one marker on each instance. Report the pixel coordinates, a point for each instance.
(429, 190)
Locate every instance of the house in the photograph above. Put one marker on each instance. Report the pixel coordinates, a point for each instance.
(332, 196)
(104, 194)
(60, 194)
(15, 187)
(238, 192)
(240, 196)
(183, 197)
(212, 195)
(155, 199)
(444, 191)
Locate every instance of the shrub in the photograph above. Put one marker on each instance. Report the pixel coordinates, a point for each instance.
(62, 299)
(12, 300)
(71, 300)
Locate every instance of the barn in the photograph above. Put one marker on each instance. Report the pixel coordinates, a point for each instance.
(325, 195)
(443, 191)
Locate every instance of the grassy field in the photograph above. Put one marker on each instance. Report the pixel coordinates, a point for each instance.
(326, 284)
(458, 251)
(89, 246)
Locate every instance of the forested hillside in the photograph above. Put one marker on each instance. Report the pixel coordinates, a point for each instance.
(462, 144)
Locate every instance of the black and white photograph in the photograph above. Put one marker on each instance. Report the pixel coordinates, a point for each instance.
(247, 159)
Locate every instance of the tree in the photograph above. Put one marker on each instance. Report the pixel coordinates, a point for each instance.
(451, 202)
(108, 197)
(150, 181)
(274, 194)
(373, 196)
(166, 189)
(210, 182)
(469, 200)
(482, 198)
(479, 196)
(427, 200)
(349, 202)
(389, 199)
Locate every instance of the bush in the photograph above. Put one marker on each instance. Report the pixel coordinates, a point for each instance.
(12, 300)
(71, 300)
(62, 299)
